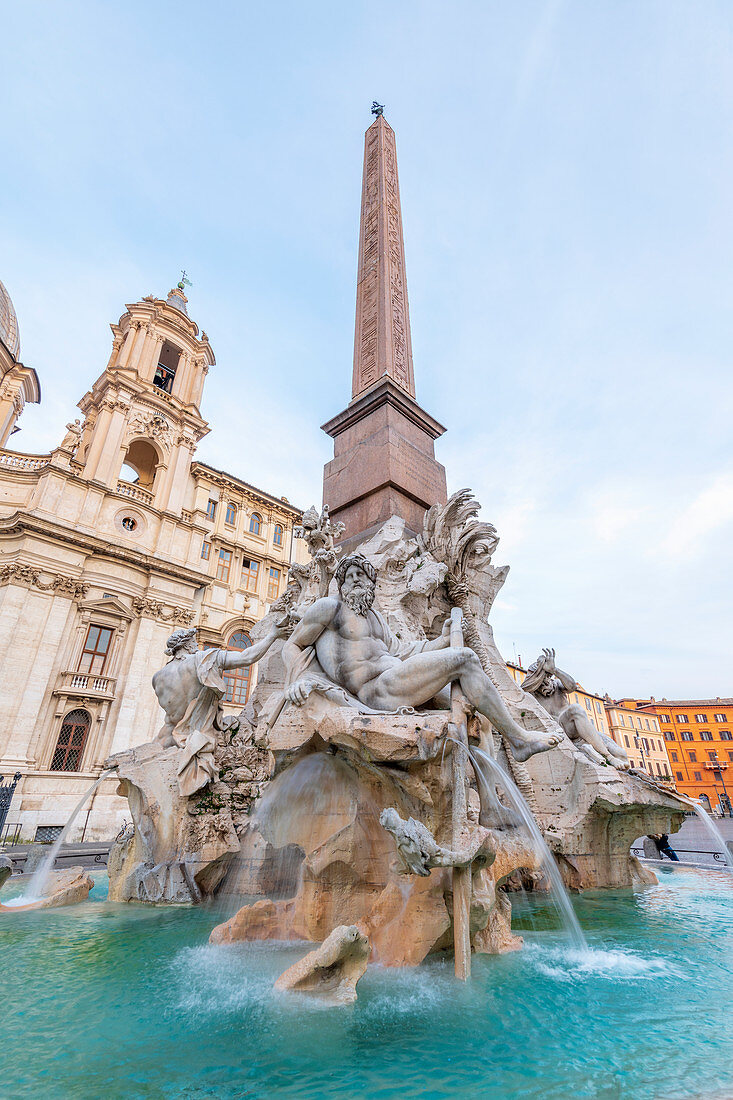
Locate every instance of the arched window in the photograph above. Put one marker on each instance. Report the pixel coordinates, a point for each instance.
(140, 464)
(231, 514)
(705, 801)
(165, 372)
(255, 524)
(277, 535)
(70, 745)
(237, 679)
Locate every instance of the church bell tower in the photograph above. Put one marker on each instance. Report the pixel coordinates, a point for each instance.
(142, 417)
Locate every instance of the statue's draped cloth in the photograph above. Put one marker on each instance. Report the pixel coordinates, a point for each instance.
(195, 734)
(307, 667)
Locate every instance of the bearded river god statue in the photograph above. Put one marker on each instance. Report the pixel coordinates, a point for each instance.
(551, 687)
(344, 643)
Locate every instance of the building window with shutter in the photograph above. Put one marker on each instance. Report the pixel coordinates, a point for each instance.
(273, 583)
(237, 679)
(96, 650)
(71, 741)
(250, 573)
(223, 565)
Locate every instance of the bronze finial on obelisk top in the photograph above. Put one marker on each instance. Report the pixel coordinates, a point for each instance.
(384, 456)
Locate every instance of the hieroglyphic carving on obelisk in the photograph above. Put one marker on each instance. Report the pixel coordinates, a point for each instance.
(382, 345)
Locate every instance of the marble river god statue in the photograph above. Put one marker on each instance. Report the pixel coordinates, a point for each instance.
(345, 641)
(190, 689)
(551, 687)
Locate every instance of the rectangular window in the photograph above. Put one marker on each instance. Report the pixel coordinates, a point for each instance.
(587, 704)
(647, 723)
(273, 583)
(638, 722)
(669, 735)
(706, 735)
(683, 719)
(598, 706)
(726, 735)
(205, 550)
(663, 717)
(223, 565)
(730, 755)
(701, 719)
(675, 757)
(96, 649)
(646, 744)
(231, 514)
(693, 756)
(712, 755)
(211, 509)
(686, 735)
(698, 776)
(250, 572)
(720, 718)
(679, 775)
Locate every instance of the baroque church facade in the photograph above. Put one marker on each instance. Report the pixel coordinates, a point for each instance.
(108, 544)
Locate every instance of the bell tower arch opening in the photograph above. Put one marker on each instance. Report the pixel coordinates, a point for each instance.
(165, 371)
(140, 464)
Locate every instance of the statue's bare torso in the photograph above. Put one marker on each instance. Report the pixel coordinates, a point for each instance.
(177, 685)
(351, 649)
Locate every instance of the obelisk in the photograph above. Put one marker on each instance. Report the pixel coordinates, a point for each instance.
(384, 455)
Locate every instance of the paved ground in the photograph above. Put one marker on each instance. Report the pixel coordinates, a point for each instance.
(693, 844)
(25, 857)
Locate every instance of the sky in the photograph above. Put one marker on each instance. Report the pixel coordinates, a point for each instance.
(565, 172)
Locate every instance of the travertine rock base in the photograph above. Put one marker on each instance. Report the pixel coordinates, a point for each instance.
(332, 970)
(67, 887)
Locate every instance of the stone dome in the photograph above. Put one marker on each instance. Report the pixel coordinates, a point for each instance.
(9, 324)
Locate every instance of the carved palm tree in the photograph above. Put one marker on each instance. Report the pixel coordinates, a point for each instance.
(454, 535)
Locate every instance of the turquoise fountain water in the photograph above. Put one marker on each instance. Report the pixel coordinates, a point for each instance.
(107, 1000)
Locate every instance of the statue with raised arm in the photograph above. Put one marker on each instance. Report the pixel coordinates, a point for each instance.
(190, 689)
(344, 642)
(551, 687)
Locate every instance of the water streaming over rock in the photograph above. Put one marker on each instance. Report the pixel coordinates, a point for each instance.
(713, 832)
(486, 766)
(39, 879)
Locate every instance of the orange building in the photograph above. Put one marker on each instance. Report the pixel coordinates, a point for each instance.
(698, 736)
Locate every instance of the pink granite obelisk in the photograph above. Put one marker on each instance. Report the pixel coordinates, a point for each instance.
(384, 455)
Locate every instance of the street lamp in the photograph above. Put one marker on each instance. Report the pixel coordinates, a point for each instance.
(639, 742)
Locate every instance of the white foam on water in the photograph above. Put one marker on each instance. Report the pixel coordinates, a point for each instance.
(12, 903)
(569, 965)
(210, 980)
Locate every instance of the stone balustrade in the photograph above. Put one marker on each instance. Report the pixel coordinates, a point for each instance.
(134, 492)
(87, 683)
(15, 461)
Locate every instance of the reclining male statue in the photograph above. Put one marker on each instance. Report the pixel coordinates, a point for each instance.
(190, 689)
(344, 642)
(551, 687)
